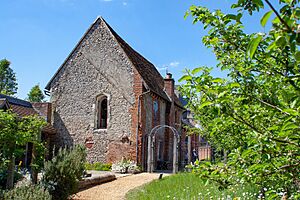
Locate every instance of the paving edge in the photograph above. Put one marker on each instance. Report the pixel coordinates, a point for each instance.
(96, 180)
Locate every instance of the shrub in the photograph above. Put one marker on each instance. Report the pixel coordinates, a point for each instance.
(36, 192)
(98, 166)
(106, 167)
(63, 172)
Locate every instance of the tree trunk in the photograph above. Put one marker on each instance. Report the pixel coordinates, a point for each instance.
(34, 173)
(34, 170)
(10, 172)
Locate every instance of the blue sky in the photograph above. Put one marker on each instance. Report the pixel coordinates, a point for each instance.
(37, 35)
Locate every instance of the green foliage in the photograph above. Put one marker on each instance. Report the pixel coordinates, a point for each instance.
(188, 186)
(38, 162)
(3, 177)
(265, 18)
(98, 166)
(8, 81)
(15, 132)
(63, 172)
(254, 113)
(253, 44)
(35, 192)
(35, 94)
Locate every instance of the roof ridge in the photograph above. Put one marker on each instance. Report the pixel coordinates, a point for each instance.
(16, 101)
(73, 50)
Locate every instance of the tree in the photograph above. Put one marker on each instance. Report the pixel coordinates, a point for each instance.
(8, 81)
(254, 113)
(36, 94)
(16, 132)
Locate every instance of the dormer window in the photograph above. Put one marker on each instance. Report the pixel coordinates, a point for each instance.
(102, 112)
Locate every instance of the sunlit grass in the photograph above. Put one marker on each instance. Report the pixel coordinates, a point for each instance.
(188, 186)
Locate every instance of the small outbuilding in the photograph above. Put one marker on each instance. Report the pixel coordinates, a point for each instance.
(24, 108)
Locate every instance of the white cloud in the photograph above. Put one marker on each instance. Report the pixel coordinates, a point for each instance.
(124, 3)
(174, 64)
(161, 68)
(107, 0)
(168, 66)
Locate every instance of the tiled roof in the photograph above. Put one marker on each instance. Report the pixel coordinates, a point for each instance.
(178, 102)
(16, 101)
(182, 100)
(3, 103)
(49, 129)
(22, 111)
(22, 108)
(146, 69)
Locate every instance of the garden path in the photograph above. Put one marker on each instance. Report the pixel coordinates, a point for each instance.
(117, 189)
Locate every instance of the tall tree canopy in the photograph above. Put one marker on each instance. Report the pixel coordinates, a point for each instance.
(35, 94)
(254, 113)
(8, 81)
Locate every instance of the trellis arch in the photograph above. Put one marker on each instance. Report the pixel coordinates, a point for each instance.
(151, 141)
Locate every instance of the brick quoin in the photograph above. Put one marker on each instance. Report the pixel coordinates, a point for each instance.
(138, 90)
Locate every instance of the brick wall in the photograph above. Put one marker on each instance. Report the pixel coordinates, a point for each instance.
(136, 116)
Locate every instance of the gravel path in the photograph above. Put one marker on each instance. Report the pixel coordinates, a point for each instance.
(117, 189)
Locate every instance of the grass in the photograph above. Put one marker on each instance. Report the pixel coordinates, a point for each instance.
(188, 186)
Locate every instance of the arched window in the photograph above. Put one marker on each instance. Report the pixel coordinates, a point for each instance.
(102, 112)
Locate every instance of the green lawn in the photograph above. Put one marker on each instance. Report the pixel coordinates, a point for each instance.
(188, 186)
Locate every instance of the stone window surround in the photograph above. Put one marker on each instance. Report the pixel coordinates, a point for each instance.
(96, 107)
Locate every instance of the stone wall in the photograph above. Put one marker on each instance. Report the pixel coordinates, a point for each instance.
(97, 66)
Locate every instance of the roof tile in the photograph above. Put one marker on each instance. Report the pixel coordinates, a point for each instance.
(23, 108)
(146, 69)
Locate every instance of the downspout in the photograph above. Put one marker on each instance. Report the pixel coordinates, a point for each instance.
(138, 124)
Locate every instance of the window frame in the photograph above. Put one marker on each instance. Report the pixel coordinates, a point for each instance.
(98, 114)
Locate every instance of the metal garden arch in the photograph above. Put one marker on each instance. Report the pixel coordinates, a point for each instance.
(151, 141)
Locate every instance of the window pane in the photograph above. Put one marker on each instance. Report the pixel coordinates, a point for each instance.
(103, 114)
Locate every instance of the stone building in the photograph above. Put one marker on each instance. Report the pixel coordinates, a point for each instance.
(109, 97)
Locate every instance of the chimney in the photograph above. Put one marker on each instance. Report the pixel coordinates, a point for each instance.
(169, 85)
(168, 75)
